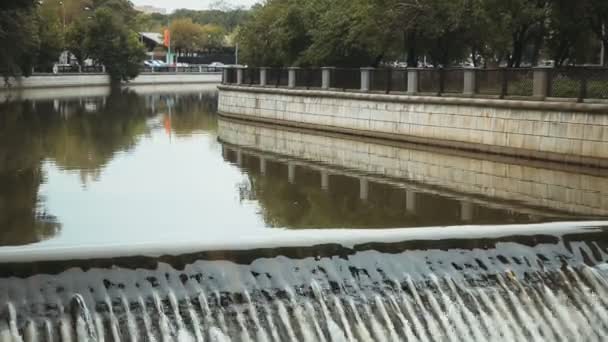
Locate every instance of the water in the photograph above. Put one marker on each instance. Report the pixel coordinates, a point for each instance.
(141, 215)
(127, 166)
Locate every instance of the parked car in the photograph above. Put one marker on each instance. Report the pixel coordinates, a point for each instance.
(217, 65)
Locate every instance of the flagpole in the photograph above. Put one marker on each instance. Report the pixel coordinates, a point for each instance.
(168, 34)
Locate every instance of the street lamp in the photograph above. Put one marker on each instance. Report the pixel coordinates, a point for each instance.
(63, 14)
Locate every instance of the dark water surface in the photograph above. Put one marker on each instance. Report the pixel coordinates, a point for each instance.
(147, 165)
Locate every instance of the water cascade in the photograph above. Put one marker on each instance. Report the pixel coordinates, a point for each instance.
(537, 287)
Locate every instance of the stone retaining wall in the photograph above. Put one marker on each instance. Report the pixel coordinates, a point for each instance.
(568, 132)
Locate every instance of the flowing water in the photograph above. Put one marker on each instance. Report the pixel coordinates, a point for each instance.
(141, 215)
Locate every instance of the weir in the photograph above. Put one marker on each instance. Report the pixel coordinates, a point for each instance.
(547, 284)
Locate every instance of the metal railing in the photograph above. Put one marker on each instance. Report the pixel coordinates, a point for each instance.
(345, 79)
(308, 78)
(251, 76)
(181, 69)
(75, 69)
(505, 82)
(277, 77)
(579, 83)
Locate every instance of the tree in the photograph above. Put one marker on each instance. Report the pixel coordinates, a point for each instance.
(114, 45)
(19, 35)
(50, 33)
(213, 36)
(186, 36)
(597, 17)
(76, 39)
(364, 34)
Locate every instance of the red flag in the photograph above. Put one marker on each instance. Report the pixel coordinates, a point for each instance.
(167, 38)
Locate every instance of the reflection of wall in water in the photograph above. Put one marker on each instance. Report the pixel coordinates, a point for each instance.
(300, 194)
(563, 191)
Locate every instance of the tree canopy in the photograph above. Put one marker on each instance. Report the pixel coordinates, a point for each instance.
(442, 32)
(38, 32)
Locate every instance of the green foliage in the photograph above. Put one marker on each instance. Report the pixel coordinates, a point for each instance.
(76, 37)
(19, 34)
(50, 31)
(114, 45)
(368, 32)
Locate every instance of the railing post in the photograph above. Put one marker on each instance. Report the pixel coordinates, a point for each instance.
(225, 74)
(103, 69)
(469, 86)
(263, 76)
(441, 81)
(200, 68)
(540, 83)
(326, 77)
(504, 83)
(291, 77)
(366, 79)
(412, 81)
(582, 94)
(239, 75)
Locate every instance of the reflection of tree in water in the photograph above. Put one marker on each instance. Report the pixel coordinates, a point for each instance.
(85, 140)
(190, 113)
(21, 220)
(80, 135)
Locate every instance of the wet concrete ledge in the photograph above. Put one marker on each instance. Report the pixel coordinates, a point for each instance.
(565, 132)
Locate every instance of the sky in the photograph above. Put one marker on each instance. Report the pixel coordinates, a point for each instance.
(171, 5)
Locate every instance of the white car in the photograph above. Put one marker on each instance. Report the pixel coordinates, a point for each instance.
(217, 65)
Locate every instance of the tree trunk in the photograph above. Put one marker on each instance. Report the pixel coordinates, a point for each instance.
(410, 43)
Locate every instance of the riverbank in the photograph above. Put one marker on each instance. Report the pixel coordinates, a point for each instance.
(567, 132)
(99, 79)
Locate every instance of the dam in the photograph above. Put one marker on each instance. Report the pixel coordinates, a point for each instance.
(141, 214)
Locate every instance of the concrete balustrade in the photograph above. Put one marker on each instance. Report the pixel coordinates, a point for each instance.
(366, 79)
(291, 76)
(412, 81)
(239, 75)
(470, 82)
(540, 83)
(540, 80)
(263, 76)
(225, 75)
(326, 77)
